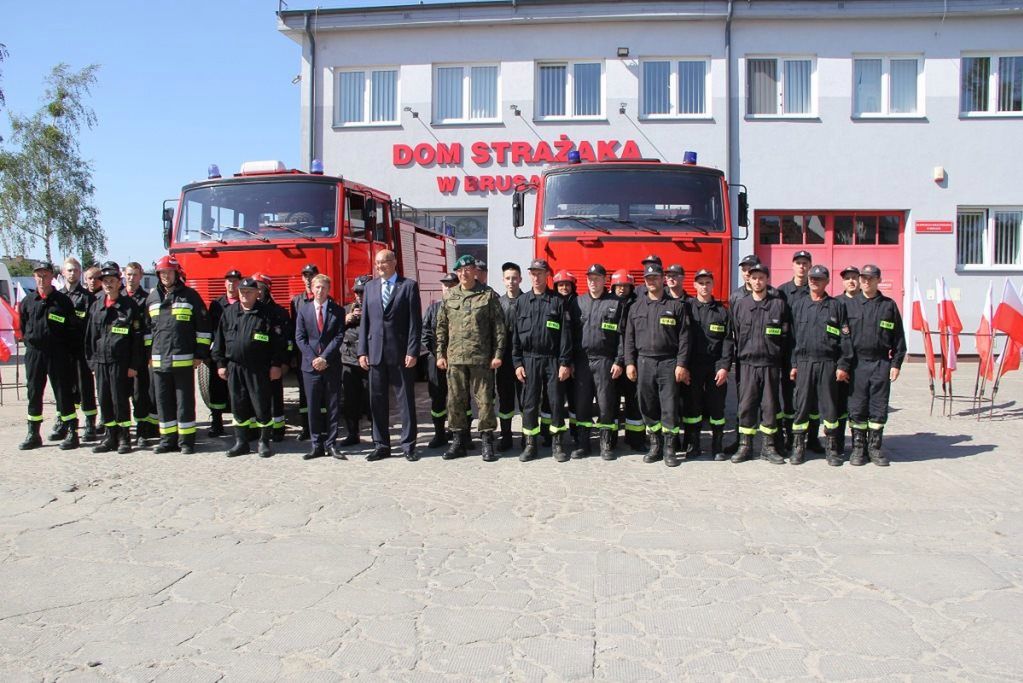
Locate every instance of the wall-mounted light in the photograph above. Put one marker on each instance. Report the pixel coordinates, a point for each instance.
(515, 108)
(415, 114)
(621, 107)
(939, 174)
(623, 52)
(296, 79)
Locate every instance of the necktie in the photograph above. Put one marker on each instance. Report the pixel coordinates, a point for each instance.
(319, 318)
(386, 296)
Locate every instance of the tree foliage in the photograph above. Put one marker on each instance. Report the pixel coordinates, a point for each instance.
(3, 56)
(46, 190)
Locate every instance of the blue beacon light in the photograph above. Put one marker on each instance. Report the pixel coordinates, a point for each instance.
(573, 157)
(213, 171)
(316, 167)
(689, 158)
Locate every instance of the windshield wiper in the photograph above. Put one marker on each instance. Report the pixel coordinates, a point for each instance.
(248, 232)
(212, 237)
(685, 220)
(585, 220)
(285, 226)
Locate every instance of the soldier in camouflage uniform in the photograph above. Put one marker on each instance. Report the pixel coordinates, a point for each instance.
(471, 337)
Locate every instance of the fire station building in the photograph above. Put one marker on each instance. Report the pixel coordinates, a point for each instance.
(866, 131)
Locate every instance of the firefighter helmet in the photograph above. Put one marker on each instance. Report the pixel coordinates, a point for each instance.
(564, 276)
(621, 277)
(263, 278)
(168, 263)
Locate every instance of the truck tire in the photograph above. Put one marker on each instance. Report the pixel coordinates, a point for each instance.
(202, 378)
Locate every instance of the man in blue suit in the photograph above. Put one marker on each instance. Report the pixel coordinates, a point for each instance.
(319, 331)
(389, 342)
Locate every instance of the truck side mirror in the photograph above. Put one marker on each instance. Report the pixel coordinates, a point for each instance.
(168, 224)
(369, 215)
(517, 209)
(743, 210)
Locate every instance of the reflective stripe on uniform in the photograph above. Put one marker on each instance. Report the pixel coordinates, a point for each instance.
(717, 423)
(218, 406)
(654, 428)
(748, 431)
(770, 431)
(830, 425)
(875, 425)
(126, 424)
(69, 417)
(203, 338)
(800, 426)
(506, 416)
(858, 425)
(692, 420)
(634, 426)
(35, 418)
(181, 304)
(89, 413)
(525, 430)
(187, 428)
(236, 423)
(557, 430)
(438, 413)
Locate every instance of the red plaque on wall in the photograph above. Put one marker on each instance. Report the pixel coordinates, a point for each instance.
(934, 227)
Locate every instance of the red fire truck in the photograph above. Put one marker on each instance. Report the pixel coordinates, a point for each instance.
(617, 212)
(273, 219)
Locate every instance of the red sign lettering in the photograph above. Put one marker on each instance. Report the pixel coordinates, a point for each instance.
(934, 227)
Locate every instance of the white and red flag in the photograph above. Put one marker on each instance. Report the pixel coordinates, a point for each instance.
(1008, 316)
(920, 324)
(949, 326)
(985, 338)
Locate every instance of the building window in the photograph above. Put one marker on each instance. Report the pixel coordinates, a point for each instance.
(674, 88)
(570, 90)
(466, 93)
(991, 85)
(366, 97)
(469, 228)
(989, 237)
(860, 229)
(778, 86)
(886, 86)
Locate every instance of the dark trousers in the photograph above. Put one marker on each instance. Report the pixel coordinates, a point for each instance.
(323, 391)
(787, 393)
(59, 369)
(437, 386)
(758, 399)
(542, 374)
(868, 404)
(175, 400)
(250, 395)
(303, 402)
(143, 406)
(658, 393)
(114, 388)
(219, 396)
(509, 390)
(816, 395)
(704, 398)
(277, 402)
(633, 419)
(381, 378)
(593, 383)
(355, 387)
(844, 391)
(85, 388)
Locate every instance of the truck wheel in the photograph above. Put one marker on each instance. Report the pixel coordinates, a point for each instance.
(203, 378)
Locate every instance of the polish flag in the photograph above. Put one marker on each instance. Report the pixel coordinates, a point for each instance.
(19, 293)
(949, 326)
(9, 330)
(920, 323)
(1009, 315)
(1010, 357)
(984, 338)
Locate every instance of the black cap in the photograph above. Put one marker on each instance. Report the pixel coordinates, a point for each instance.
(761, 268)
(749, 260)
(596, 269)
(310, 269)
(819, 271)
(802, 253)
(870, 270)
(233, 273)
(850, 269)
(652, 258)
(539, 264)
(482, 265)
(449, 278)
(703, 272)
(109, 268)
(509, 264)
(674, 269)
(653, 269)
(360, 282)
(45, 266)
(248, 283)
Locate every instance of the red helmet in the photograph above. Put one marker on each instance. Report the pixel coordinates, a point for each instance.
(564, 276)
(262, 277)
(168, 263)
(621, 277)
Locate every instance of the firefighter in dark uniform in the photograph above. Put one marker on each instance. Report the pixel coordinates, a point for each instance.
(792, 291)
(249, 350)
(84, 384)
(354, 380)
(762, 326)
(143, 403)
(52, 337)
(599, 326)
(285, 329)
(879, 341)
(114, 347)
(180, 325)
(219, 396)
(850, 288)
(309, 271)
(623, 288)
(564, 285)
(436, 379)
(542, 354)
(711, 358)
(657, 343)
(509, 389)
(674, 287)
(822, 355)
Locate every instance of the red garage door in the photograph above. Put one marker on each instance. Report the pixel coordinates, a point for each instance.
(835, 239)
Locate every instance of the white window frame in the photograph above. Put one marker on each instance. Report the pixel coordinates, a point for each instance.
(988, 255)
(993, 83)
(780, 113)
(569, 65)
(886, 87)
(673, 88)
(466, 94)
(367, 97)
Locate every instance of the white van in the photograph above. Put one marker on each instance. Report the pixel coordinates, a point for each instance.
(6, 285)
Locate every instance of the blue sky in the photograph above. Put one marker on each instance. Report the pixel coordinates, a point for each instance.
(182, 84)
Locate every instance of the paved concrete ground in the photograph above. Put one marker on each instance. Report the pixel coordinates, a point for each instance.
(146, 567)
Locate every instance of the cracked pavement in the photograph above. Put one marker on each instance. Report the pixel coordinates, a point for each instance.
(148, 567)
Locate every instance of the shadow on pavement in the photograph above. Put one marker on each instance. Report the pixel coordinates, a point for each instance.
(930, 446)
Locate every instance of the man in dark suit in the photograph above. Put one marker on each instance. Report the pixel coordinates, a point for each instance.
(319, 331)
(389, 342)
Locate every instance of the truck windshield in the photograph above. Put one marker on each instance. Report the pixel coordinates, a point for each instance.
(649, 199)
(265, 211)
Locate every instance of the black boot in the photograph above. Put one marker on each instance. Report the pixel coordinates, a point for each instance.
(70, 441)
(457, 448)
(733, 447)
(831, 450)
(798, 456)
(614, 438)
(141, 430)
(654, 453)
(59, 430)
(607, 451)
(745, 450)
(216, 424)
(635, 439)
(582, 443)
(671, 458)
(89, 433)
(873, 448)
(188, 444)
(487, 441)
(109, 441)
(558, 447)
(769, 452)
(353, 433)
(440, 437)
(529, 450)
(241, 442)
(545, 434)
(840, 434)
(858, 457)
(265, 435)
(33, 439)
(695, 450)
(124, 440)
(169, 443)
(813, 441)
(778, 439)
(278, 433)
(717, 435)
(787, 435)
(505, 442)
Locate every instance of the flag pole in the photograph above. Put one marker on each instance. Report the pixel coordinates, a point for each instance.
(998, 378)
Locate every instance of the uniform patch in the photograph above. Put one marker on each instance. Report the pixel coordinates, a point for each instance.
(668, 321)
(888, 325)
(80, 314)
(772, 331)
(613, 327)
(259, 336)
(55, 318)
(714, 327)
(119, 330)
(554, 324)
(834, 330)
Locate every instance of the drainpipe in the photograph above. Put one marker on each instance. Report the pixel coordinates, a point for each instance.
(312, 88)
(728, 94)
